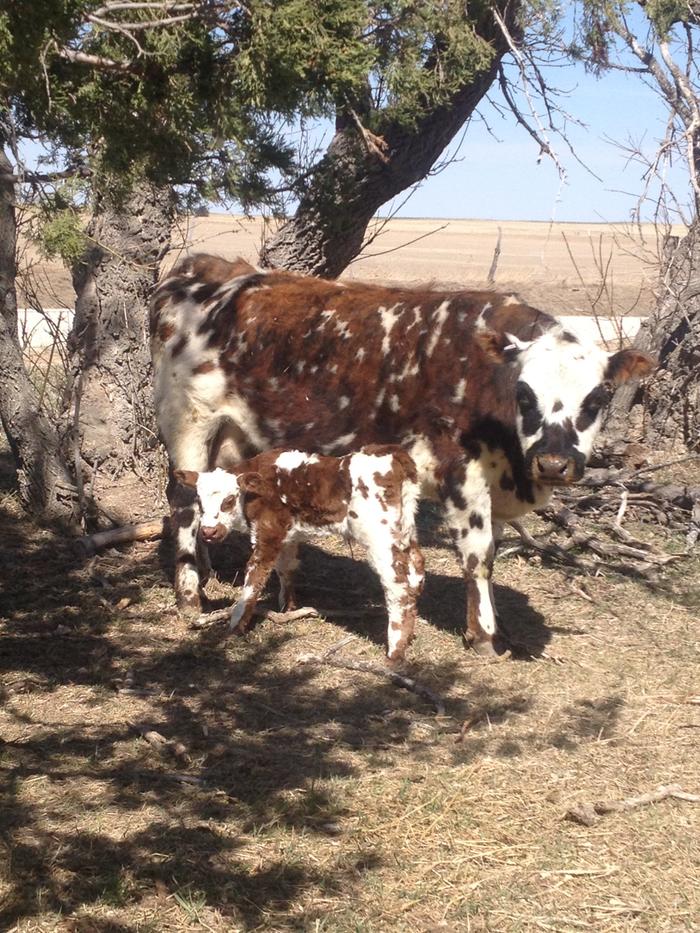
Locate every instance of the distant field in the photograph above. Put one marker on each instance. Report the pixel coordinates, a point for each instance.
(563, 268)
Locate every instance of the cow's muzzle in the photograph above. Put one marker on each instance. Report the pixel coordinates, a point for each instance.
(555, 470)
(211, 533)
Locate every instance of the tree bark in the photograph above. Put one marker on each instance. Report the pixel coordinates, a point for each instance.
(668, 414)
(44, 482)
(111, 398)
(356, 176)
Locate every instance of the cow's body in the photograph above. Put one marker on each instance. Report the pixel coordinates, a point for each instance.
(283, 497)
(246, 361)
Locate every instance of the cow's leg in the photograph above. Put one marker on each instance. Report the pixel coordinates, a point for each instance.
(188, 451)
(260, 565)
(286, 565)
(468, 512)
(497, 529)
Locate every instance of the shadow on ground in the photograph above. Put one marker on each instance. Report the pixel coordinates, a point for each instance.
(93, 655)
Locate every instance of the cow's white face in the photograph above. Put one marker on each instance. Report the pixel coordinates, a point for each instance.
(219, 499)
(563, 387)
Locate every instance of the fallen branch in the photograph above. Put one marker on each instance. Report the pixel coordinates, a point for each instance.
(587, 814)
(400, 680)
(305, 612)
(141, 531)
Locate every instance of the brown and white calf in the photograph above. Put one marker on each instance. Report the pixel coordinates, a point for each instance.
(283, 497)
(496, 401)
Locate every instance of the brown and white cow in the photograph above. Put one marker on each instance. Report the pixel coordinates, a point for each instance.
(496, 401)
(283, 497)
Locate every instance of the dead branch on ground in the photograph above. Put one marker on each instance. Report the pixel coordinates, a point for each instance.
(366, 667)
(587, 814)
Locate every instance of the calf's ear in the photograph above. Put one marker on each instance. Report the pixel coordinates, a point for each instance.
(186, 477)
(251, 482)
(628, 364)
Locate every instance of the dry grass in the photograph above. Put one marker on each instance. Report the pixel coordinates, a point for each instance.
(309, 798)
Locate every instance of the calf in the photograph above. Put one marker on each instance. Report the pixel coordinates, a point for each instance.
(284, 496)
(496, 401)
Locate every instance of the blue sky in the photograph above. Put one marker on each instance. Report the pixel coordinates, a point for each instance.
(503, 179)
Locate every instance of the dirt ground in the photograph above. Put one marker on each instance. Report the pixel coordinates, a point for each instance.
(564, 268)
(296, 796)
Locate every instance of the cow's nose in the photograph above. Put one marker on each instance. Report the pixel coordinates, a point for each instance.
(551, 467)
(208, 532)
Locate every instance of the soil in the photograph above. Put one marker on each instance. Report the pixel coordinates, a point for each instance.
(296, 796)
(564, 268)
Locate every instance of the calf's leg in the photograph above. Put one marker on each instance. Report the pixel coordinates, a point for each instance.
(286, 565)
(400, 569)
(261, 563)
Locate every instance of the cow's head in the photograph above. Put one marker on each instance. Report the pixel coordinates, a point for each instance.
(219, 493)
(563, 386)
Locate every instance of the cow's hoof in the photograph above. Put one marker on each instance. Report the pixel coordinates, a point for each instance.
(491, 649)
(189, 606)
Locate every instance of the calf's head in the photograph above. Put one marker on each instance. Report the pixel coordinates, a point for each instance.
(218, 492)
(563, 386)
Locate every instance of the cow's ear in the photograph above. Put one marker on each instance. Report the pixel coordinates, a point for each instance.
(186, 477)
(628, 364)
(252, 483)
(499, 347)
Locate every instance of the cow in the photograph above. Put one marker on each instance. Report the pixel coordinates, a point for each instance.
(496, 402)
(282, 497)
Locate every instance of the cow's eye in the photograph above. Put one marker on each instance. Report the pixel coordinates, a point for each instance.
(228, 504)
(596, 400)
(525, 398)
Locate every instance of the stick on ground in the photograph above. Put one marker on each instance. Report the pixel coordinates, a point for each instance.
(407, 683)
(589, 813)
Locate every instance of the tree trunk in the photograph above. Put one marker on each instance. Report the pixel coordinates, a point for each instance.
(44, 482)
(112, 392)
(668, 415)
(361, 171)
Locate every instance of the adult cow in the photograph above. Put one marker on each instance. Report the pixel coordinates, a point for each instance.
(496, 402)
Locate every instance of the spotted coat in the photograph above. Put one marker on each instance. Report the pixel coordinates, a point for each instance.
(496, 401)
(282, 497)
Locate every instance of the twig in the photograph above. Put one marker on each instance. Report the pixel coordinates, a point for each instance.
(589, 813)
(407, 683)
(159, 742)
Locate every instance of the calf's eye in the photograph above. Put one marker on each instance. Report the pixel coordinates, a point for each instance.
(228, 504)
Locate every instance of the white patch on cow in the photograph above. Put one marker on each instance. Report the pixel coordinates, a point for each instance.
(342, 329)
(292, 459)
(487, 610)
(343, 402)
(459, 391)
(379, 400)
(360, 355)
(439, 318)
(333, 368)
(394, 403)
(388, 317)
(511, 300)
(426, 463)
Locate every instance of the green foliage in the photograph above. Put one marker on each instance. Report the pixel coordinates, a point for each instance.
(200, 102)
(58, 228)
